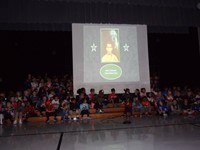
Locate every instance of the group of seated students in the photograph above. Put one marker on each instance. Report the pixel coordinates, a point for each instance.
(163, 103)
(45, 96)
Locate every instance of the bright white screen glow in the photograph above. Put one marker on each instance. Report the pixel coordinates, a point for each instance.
(109, 56)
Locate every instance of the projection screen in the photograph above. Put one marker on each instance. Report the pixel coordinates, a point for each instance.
(109, 56)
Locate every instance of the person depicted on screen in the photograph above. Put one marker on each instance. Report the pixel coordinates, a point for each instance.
(109, 56)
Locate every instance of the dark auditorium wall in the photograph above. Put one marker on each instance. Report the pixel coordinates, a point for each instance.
(174, 56)
(24, 52)
(43, 28)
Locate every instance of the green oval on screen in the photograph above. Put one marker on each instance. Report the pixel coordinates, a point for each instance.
(110, 71)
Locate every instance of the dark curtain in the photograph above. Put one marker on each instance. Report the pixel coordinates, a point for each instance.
(59, 14)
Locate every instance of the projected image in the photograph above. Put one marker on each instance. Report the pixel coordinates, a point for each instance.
(109, 56)
(109, 45)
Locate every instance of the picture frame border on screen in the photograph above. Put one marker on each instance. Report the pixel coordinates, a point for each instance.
(109, 28)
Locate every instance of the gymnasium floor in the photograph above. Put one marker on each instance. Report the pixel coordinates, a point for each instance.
(147, 133)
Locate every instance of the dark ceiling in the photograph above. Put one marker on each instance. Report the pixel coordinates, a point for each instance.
(58, 15)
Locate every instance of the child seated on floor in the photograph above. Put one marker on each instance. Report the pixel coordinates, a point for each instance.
(50, 111)
(146, 109)
(196, 105)
(99, 102)
(1, 114)
(42, 106)
(29, 111)
(19, 106)
(168, 99)
(56, 106)
(74, 110)
(186, 108)
(91, 97)
(175, 108)
(127, 110)
(8, 112)
(84, 108)
(64, 109)
(153, 101)
(113, 98)
(162, 109)
(137, 107)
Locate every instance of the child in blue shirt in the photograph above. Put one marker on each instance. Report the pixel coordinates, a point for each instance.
(162, 109)
(84, 107)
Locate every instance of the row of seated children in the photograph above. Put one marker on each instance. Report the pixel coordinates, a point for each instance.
(19, 111)
(142, 103)
(14, 111)
(146, 107)
(100, 100)
(68, 109)
(74, 107)
(137, 107)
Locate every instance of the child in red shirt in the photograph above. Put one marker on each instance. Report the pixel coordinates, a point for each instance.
(112, 97)
(146, 106)
(29, 111)
(49, 110)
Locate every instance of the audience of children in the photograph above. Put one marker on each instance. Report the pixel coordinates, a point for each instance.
(54, 96)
